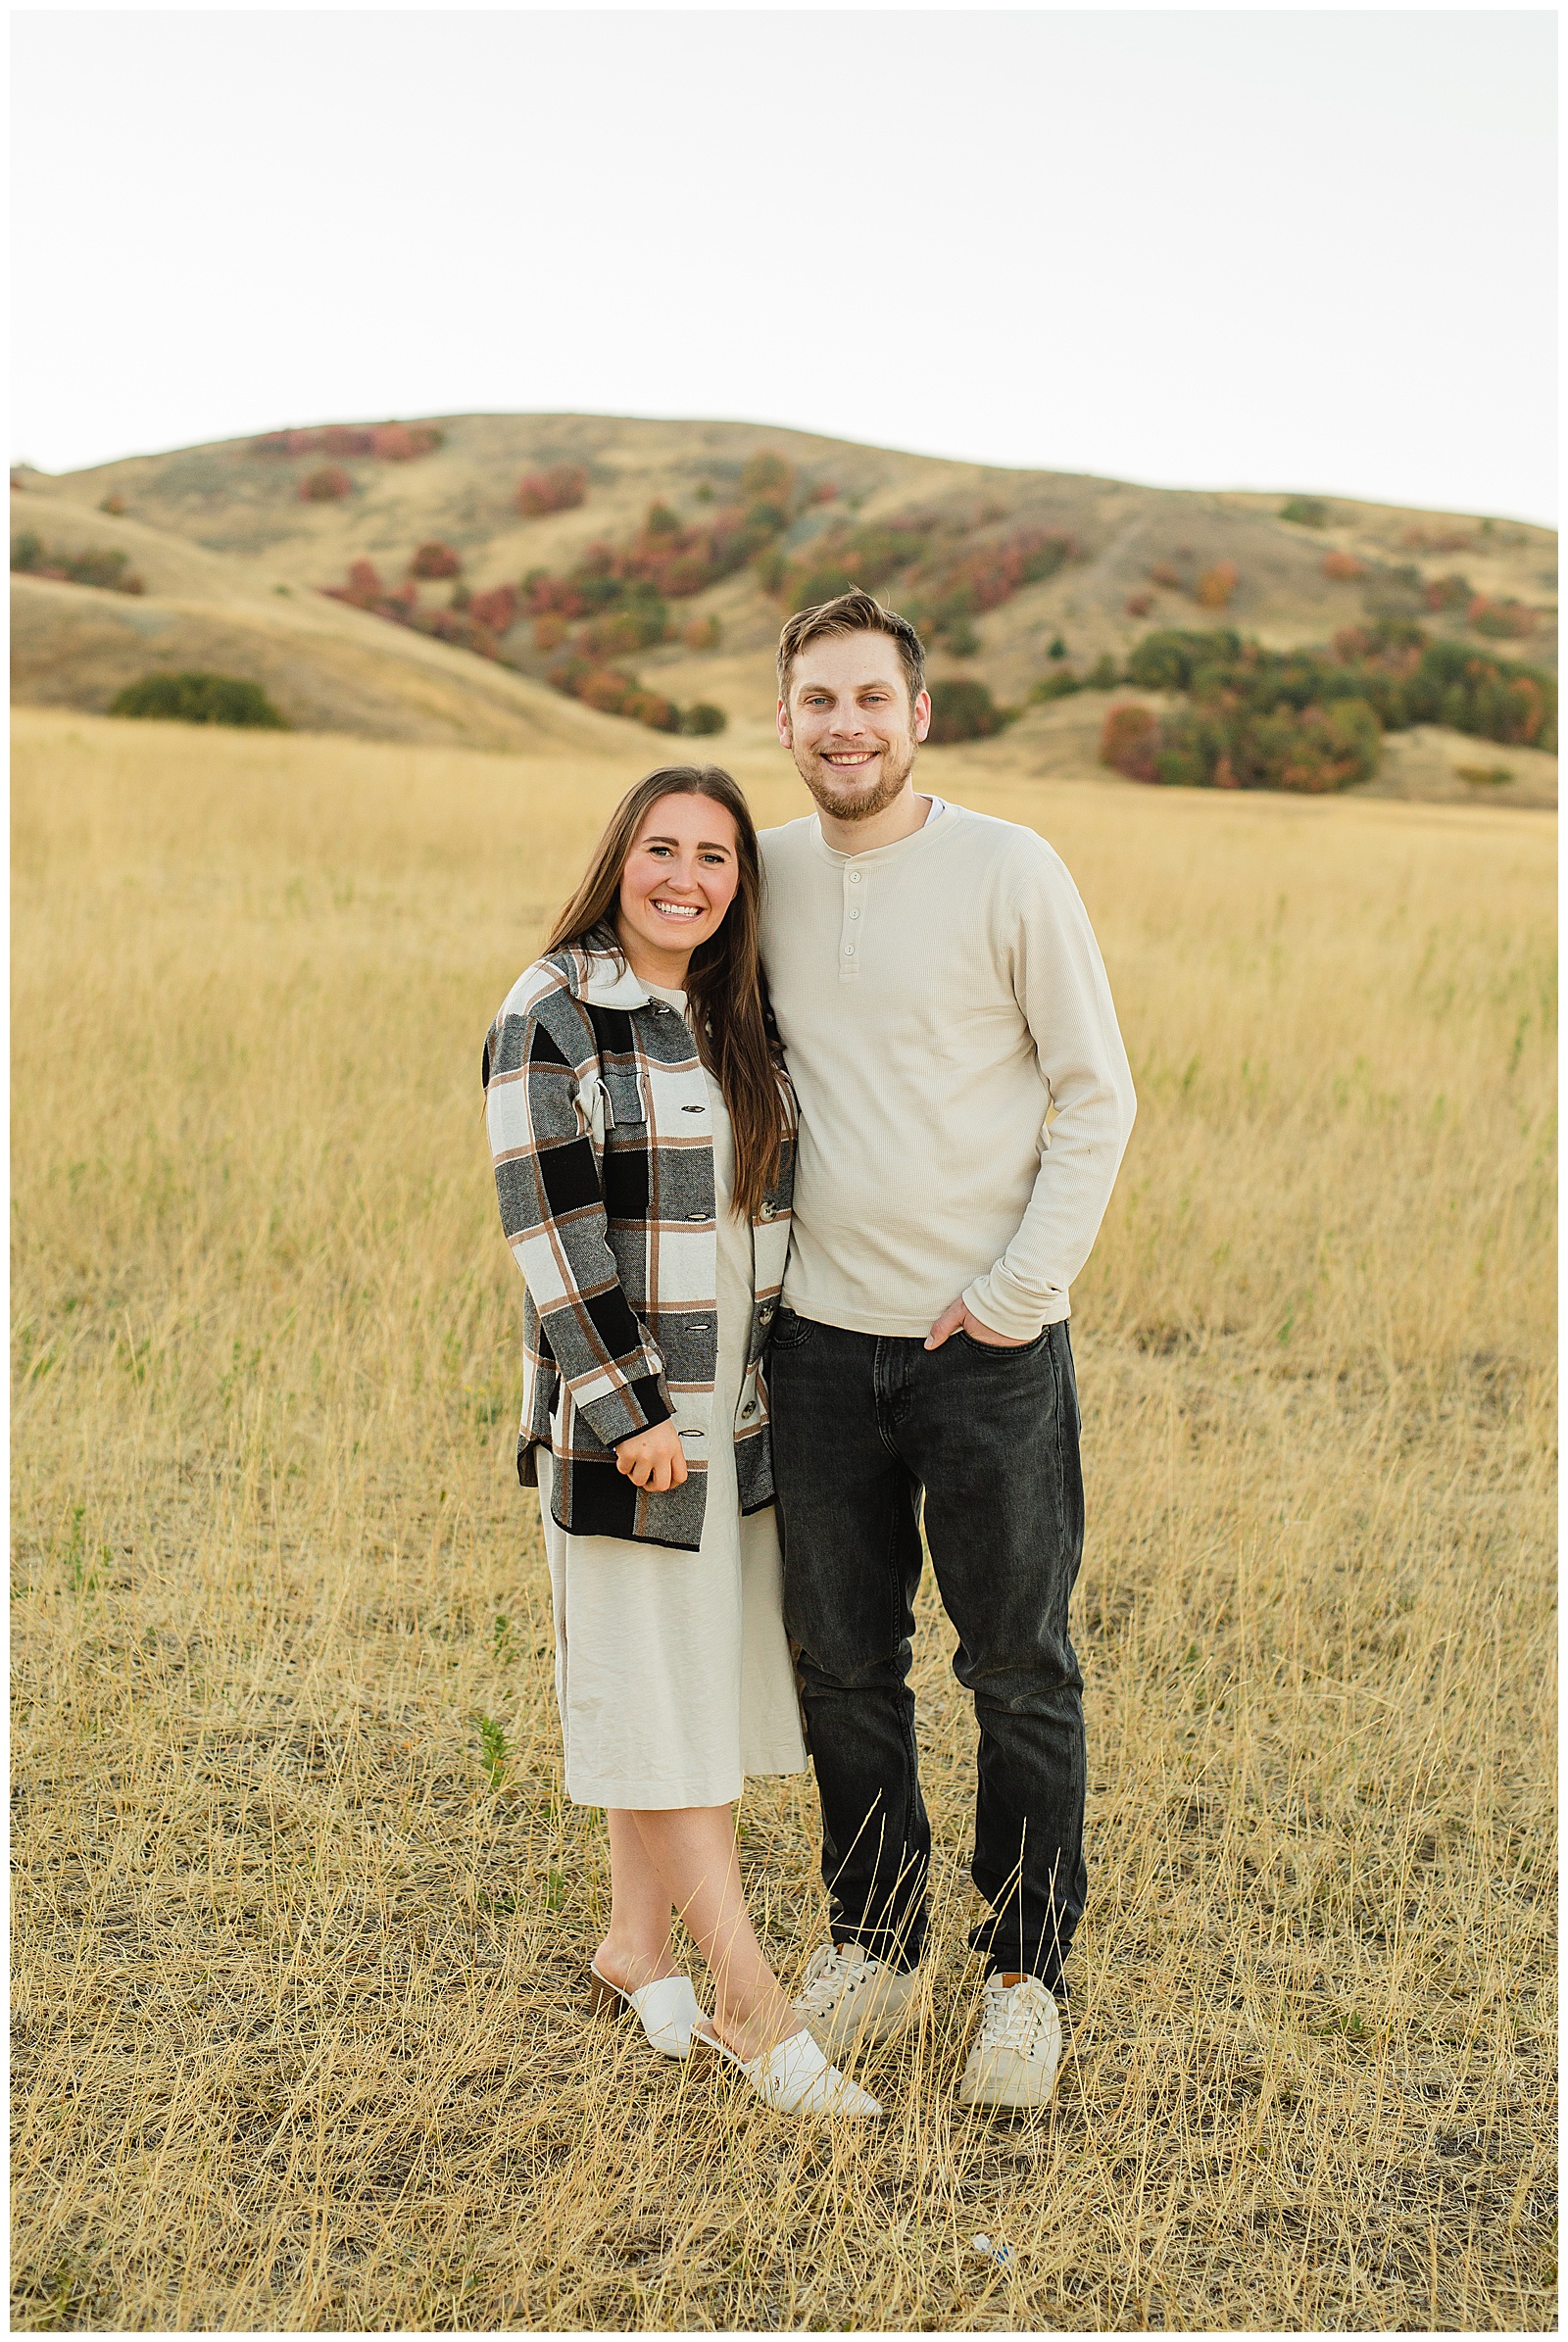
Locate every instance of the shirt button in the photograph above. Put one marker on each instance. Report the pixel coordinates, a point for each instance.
(855, 878)
(849, 950)
(856, 912)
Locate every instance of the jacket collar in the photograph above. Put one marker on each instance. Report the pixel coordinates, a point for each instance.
(603, 981)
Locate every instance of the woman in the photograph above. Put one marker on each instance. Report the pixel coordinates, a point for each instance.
(642, 1135)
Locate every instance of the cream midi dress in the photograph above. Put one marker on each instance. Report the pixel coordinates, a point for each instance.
(673, 1674)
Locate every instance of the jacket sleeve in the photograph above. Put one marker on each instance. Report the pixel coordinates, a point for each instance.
(537, 1057)
(1059, 982)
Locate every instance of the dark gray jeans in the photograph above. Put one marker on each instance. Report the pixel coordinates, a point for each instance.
(862, 1425)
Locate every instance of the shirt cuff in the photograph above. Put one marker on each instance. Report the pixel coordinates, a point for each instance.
(1001, 1303)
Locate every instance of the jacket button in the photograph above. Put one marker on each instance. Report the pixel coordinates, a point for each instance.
(697, 1215)
(748, 1409)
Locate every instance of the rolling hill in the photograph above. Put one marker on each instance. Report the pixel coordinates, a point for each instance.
(1015, 575)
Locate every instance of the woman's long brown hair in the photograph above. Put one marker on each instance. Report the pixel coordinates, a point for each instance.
(725, 980)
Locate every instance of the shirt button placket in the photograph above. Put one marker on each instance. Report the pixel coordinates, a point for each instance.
(850, 940)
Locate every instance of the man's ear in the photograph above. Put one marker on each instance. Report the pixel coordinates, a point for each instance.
(922, 714)
(786, 731)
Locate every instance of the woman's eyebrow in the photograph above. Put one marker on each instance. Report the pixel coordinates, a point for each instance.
(704, 845)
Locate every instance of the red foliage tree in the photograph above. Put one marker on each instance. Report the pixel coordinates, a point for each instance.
(390, 443)
(1501, 619)
(1216, 585)
(1343, 567)
(1129, 742)
(364, 588)
(496, 607)
(435, 560)
(556, 490)
(326, 485)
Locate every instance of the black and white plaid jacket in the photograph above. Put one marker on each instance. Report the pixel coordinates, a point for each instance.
(598, 1115)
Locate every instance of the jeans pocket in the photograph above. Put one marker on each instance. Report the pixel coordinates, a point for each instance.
(1005, 1349)
(791, 1332)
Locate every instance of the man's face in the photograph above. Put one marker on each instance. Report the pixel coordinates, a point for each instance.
(849, 724)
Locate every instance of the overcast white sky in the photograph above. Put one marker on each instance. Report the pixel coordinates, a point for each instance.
(1244, 248)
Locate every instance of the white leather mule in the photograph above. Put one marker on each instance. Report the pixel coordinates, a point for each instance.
(666, 2009)
(793, 2078)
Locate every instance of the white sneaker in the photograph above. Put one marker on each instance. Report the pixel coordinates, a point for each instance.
(852, 2001)
(793, 2078)
(1014, 2061)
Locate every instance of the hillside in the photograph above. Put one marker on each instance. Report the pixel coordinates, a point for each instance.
(329, 668)
(1016, 574)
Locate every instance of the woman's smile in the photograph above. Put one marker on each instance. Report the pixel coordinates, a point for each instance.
(678, 881)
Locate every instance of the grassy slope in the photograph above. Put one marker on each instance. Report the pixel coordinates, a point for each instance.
(327, 667)
(245, 507)
(298, 1985)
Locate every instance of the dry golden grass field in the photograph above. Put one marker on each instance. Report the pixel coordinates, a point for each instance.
(300, 1916)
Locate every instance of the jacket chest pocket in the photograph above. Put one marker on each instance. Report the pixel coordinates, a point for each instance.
(624, 1102)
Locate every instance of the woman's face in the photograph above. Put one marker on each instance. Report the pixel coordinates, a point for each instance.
(679, 880)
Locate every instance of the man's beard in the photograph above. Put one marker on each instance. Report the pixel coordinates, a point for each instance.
(851, 806)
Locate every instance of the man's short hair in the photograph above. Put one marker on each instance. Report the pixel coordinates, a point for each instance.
(853, 612)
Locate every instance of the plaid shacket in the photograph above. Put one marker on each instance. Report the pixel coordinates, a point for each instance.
(598, 1114)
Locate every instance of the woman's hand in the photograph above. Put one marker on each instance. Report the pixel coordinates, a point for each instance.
(654, 1459)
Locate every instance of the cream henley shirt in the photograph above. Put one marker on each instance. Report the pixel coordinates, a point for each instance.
(965, 1097)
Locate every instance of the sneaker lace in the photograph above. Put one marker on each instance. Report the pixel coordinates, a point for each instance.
(1014, 2016)
(831, 1971)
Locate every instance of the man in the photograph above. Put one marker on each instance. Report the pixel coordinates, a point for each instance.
(965, 1100)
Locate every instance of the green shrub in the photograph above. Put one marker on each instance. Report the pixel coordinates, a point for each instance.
(96, 565)
(1172, 657)
(959, 638)
(1489, 698)
(1104, 674)
(1396, 593)
(1059, 686)
(963, 708)
(703, 717)
(1307, 512)
(193, 698)
(1312, 720)
(770, 478)
(1216, 744)
(632, 627)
